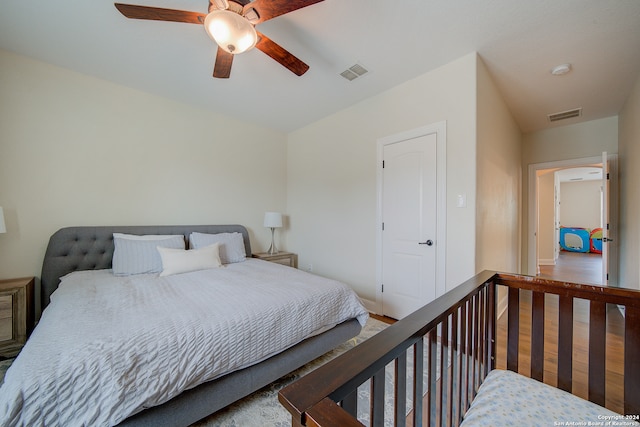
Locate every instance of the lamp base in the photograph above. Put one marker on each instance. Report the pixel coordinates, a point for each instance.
(272, 249)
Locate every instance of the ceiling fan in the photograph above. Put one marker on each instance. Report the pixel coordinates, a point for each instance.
(231, 24)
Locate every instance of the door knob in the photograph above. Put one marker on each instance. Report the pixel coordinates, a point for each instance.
(428, 243)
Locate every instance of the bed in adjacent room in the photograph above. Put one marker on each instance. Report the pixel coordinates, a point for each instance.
(137, 330)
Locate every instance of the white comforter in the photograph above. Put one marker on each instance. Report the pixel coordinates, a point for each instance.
(107, 347)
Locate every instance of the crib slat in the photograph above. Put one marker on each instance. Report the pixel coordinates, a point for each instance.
(445, 399)
(431, 362)
(437, 420)
(537, 336)
(418, 369)
(487, 343)
(377, 399)
(350, 403)
(492, 326)
(455, 367)
(632, 360)
(483, 337)
(400, 389)
(513, 331)
(462, 402)
(565, 343)
(476, 343)
(469, 384)
(597, 346)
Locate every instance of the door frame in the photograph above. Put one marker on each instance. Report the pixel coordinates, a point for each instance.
(440, 129)
(532, 217)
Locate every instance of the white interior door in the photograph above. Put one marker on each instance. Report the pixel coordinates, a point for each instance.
(605, 219)
(409, 208)
(556, 217)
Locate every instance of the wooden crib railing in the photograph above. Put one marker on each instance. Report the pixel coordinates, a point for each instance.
(452, 343)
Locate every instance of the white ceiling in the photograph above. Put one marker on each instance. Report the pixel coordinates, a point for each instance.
(519, 40)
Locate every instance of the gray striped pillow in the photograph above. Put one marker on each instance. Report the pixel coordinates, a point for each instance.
(231, 245)
(139, 254)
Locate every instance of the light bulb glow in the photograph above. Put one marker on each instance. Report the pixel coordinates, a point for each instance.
(230, 31)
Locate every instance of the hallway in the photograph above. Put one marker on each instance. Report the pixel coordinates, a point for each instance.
(575, 267)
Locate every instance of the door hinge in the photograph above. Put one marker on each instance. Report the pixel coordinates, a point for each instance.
(607, 226)
(382, 288)
(383, 164)
(383, 226)
(607, 175)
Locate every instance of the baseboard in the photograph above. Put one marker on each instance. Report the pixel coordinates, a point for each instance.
(371, 306)
(546, 262)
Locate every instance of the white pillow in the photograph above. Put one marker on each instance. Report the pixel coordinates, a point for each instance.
(176, 261)
(138, 254)
(231, 245)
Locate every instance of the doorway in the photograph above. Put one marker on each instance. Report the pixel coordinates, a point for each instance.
(545, 256)
(411, 212)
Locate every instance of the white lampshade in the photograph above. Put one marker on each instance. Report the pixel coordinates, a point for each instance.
(273, 219)
(230, 31)
(3, 228)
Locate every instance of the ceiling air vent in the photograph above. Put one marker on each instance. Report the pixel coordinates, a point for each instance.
(577, 112)
(354, 72)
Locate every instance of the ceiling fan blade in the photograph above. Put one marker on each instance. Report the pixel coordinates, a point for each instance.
(222, 69)
(159, 14)
(277, 52)
(269, 9)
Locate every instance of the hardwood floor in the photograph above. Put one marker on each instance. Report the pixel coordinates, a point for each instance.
(575, 267)
(384, 319)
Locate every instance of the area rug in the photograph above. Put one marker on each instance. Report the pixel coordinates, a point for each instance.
(262, 407)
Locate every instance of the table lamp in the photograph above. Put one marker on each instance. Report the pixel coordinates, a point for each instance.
(272, 220)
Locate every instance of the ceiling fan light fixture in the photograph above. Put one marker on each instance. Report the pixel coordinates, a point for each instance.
(221, 4)
(232, 32)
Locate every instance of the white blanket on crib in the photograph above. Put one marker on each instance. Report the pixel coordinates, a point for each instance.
(509, 399)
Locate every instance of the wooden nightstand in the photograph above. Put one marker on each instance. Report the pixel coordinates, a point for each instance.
(285, 258)
(17, 314)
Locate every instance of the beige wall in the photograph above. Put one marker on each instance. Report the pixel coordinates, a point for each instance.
(629, 173)
(498, 180)
(546, 214)
(332, 176)
(582, 140)
(75, 150)
(580, 204)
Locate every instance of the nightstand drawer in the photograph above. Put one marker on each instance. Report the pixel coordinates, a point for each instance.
(285, 258)
(17, 314)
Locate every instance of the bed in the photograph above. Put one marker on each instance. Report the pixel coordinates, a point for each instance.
(500, 350)
(93, 354)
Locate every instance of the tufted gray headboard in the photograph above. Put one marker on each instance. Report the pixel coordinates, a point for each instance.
(91, 248)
